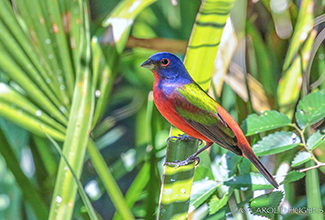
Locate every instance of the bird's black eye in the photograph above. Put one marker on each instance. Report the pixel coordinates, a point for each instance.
(164, 62)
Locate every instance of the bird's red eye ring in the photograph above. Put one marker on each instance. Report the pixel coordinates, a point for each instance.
(164, 62)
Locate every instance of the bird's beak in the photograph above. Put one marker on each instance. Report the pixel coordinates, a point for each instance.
(148, 64)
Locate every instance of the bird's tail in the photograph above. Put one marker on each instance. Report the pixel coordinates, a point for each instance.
(244, 146)
(258, 164)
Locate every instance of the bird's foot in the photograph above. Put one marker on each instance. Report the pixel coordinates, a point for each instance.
(181, 137)
(185, 162)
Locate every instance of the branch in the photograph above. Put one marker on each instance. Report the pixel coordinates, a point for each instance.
(301, 132)
(313, 167)
(160, 44)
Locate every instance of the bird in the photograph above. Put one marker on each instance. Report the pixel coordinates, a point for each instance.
(189, 108)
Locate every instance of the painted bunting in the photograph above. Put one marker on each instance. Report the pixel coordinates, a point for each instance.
(189, 108)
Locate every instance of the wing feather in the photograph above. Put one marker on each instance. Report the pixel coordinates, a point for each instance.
(202, 115)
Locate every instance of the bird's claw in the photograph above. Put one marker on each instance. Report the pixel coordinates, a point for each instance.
(171, 137)
(182, 137)
(179, 163)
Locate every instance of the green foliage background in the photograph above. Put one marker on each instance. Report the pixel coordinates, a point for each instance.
(75, 105)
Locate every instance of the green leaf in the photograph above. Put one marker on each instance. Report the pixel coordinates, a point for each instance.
(137, 187)
(300, 158)
(102, 79)
(121, 20)
(204, 171)
(205, 40)
(311, 109)
(276, 143)
(18, 45)
(263, 58)
(293, 176)
(82, 193)
(42, 31)
(254, 181)
(226, 166)
(60, 40)
(30, 192)
(266, 205)
(315, 140)
(28, 122)
(201, 190)
(9, 96)
(78, 130)
(108, 180)
(268, 120)
(216, 204)
(177, 181)
(295, 63)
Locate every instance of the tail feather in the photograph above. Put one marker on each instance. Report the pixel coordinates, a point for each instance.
(258, 164)
(243, 145)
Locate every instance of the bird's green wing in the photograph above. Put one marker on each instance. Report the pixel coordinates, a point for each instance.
(199, 110)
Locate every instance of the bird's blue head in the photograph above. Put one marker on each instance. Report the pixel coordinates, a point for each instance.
(166, 66)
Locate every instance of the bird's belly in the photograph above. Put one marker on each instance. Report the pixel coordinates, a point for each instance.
(167, 109)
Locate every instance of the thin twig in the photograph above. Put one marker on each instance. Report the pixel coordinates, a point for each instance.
(301, 133)
(160, 44)
(313, 167)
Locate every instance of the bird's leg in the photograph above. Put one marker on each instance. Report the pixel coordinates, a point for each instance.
(192, 158)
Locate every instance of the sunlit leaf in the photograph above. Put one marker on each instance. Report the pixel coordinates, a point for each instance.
(217, 203)
(83, 195)
(10, 96)
(270, 202)
(201, 190)
(205, 40)
(311, 109)
(297, 58)
(301, 158)
(254, 181)
(225, 166)
(11, 48)
(121, 20)
(62, 44)
(315, 140)
(78, 130)
(110, 137)
(42, 32)
(19, 37)
(276, 143)
(103, 79)
(293, 176)
(177, 181)
(28, 122)
(124, 165)
(268, 120)
(225, 52)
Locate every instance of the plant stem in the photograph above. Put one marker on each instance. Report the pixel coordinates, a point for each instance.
(31, 194)
(109, 182)
(301, 133)
(314, 201)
